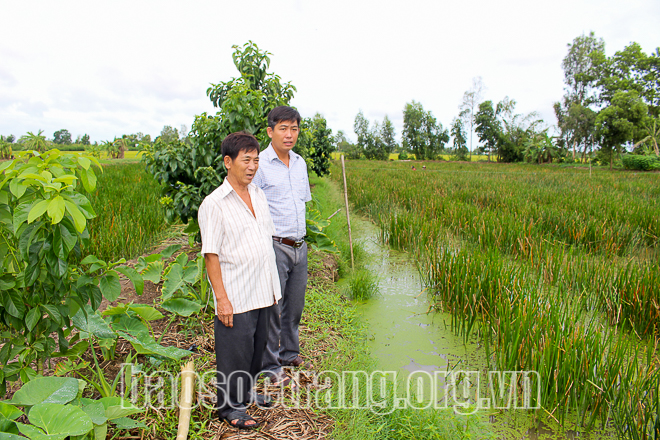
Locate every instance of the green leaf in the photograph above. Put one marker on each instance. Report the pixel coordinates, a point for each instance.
(10, 411)
(125, 423)
(56, 209)
(181, 306)
(46, 389)
(116, 407)
(67, 179)
(21, 214)
(153, 271)
(147, 313)
(75, 351)
(32, 318)
(96, 412)
(93, 323)
(78, 218)
(57, 419)
(37, 210)
(170, 250)
(101, 431)
(134, 276)
(7, 282)
(17, 187)
(89, 259)
(13, 302)
(84, 162)
(88, 179)
(174, 281)
(110, 286)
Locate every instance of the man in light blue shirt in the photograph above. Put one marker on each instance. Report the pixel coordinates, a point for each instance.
(282, 175)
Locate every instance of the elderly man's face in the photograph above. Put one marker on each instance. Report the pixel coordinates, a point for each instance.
(244, 167)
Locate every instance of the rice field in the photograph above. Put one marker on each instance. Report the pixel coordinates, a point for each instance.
(130, 219)
(556, 270)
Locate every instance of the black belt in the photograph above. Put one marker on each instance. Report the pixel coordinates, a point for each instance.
(289, 242)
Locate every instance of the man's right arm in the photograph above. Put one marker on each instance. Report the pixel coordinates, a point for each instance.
(225, 310)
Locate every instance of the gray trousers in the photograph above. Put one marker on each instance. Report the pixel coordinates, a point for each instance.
(238, 356)
(283, 342)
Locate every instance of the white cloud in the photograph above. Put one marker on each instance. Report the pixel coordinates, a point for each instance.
(120, 67)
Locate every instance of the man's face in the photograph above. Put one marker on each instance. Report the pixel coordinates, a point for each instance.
(243, 168)
(284, 135)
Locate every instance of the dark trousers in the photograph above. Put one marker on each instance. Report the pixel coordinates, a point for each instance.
(283, 341)
(238, 356)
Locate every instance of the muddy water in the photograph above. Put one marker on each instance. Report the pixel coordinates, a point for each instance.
(405, 339)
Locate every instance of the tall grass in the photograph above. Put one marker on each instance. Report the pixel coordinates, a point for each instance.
(130, 219)
(551, 266)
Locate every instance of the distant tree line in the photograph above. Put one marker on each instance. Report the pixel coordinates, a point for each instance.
(611, 105)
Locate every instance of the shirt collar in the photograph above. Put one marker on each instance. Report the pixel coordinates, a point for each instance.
(271, 155)
(226, 188)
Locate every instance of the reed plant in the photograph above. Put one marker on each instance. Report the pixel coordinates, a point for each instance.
(552, 267)
(129, 217)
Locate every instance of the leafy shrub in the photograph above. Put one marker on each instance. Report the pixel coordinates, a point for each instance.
(43, 221)
(641, 163)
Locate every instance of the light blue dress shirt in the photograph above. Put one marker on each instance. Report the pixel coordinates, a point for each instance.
(287, 190)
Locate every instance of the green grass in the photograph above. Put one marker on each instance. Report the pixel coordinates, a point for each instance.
(556, 269)
(130, 219)
(326, 309)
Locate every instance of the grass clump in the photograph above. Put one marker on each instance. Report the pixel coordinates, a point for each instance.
(362, 285)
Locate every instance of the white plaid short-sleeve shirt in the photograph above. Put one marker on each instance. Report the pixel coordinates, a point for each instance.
(244, 246)
(287, 190)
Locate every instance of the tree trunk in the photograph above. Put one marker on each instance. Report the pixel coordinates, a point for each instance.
(611, 154)
(574, 145)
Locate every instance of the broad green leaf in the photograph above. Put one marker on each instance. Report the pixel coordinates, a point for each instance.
(10, 411)
(146, 345)
(89, 259)
(37, 210)
(96, 412)
(93, 323)
(82, 203)
(190, 274)
(88, 179)
(13, 302)
(56, 209)
(27, 374)
(119, 309)
(116, 407)
(134, 276)
(56, 419)
(7, 282)
(67, 179)
(181, 306)
(125, 423)
(5, 435)
(32, 318)
(110, 286)
(46, 389)
(101, 431)
(173, 282)
(52, 311)
(76, 350)
(34, 433)
(21, 214)
(147, 313)
(78, 218)
(170, 250)
(17, 188)
(84, 162)
(153, 271)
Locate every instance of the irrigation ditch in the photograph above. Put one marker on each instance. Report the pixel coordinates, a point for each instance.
(546, 270)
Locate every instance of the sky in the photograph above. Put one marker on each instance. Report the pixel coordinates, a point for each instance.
(121, 67)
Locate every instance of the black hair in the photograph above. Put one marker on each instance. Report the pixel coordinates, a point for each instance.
(237, 142)
(282, 113)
